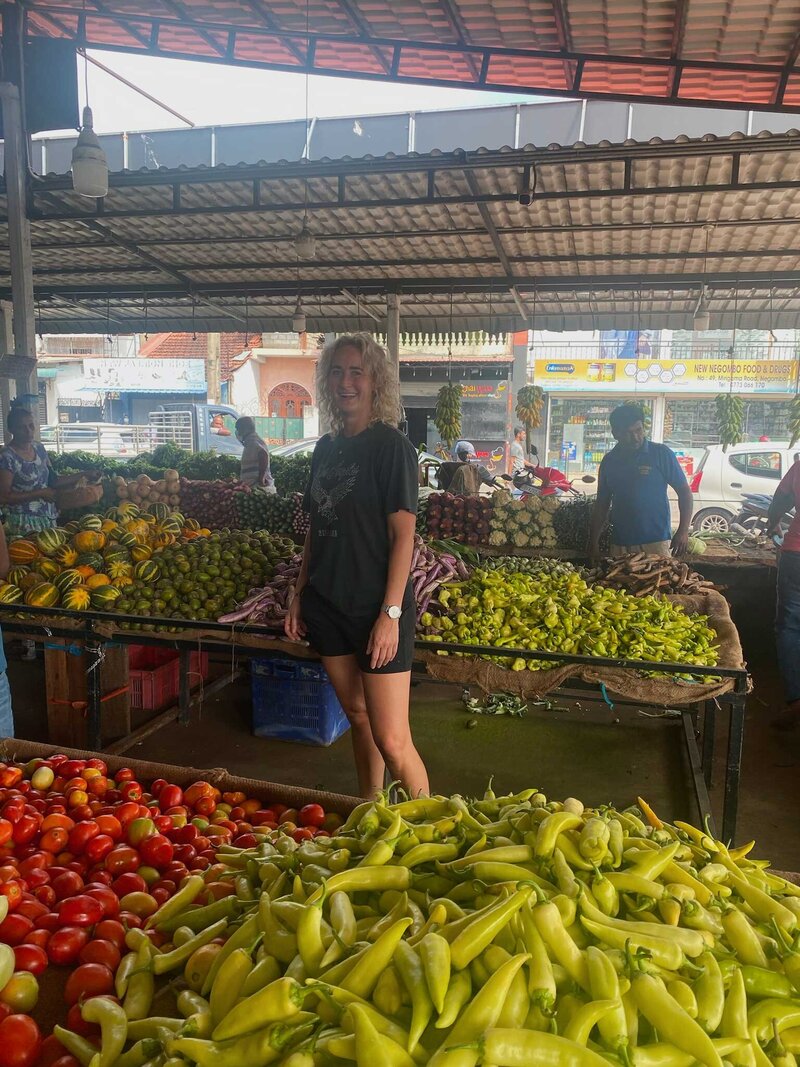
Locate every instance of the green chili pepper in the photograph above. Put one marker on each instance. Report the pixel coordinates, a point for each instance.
(764, 906)
(541, 981)
(127, 964)
(83, 1051)
(670, 1020)
(228, 983)
(281, 943)
(276, 1002)
(479, 1015)
(683, 994)
(265, 972)
(615, 841)
(517, 1003)
(410, 969)
(520, 1048)
(362, 977)
(773, 1015)
(505, 854)
(373, 1047)
(605, 893)
(709, 991)
(743, 939)
(113, 1024)
(138, 1055)
(177, 904)
(434, 952)
(475, 936)
(261, 1047)
(189, 1003)
(627, 882)
(551, 927)
(388, 994)
(141, 984)
(459, 991)
(594, 840)
(690, 941)
(549, 829)
(563, 874)
(168, 961)
(369, 879)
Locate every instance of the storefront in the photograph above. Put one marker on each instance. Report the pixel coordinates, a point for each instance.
(581, 394)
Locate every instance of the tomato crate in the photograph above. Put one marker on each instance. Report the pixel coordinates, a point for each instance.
(295, 701)
(154, 675)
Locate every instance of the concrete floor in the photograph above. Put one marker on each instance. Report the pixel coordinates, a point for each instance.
(589, 752)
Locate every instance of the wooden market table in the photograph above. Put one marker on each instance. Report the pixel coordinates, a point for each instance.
(94, 631)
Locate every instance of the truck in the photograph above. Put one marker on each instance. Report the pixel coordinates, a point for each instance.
(195, 427)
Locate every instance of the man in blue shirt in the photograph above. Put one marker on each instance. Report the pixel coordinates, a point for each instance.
(632, 484)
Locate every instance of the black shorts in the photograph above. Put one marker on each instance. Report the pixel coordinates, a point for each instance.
(333, 633)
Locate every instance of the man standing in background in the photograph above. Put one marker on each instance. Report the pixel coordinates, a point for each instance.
(255, 457)
(632, 484)
(517, 451)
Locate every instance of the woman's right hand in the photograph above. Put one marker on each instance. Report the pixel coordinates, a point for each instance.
(293, 625)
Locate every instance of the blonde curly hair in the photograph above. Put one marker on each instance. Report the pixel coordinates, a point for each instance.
(375, 361)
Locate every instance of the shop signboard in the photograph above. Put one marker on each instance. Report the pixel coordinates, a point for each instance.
(666, 376)
(146, 375)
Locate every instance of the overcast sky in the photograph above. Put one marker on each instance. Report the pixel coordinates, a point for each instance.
(209, 94)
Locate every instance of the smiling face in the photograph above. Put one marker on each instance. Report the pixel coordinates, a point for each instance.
(24, 429)
(351, 386)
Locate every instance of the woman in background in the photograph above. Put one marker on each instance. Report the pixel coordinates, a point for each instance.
(353, 596)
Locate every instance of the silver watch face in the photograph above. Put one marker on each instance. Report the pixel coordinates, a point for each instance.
(393, 611)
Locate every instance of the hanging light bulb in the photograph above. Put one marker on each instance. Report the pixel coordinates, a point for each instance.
(89, 163)
(305, 243)
(702, 316)
(299, 317)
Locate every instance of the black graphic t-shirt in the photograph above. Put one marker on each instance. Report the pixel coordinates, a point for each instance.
(356, 482)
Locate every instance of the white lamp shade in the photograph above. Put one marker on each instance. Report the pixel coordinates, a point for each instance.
(702, 320)
(305, 244)
(89, 163)
(299, 319)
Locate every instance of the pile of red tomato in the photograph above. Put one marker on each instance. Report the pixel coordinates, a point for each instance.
(85, 856)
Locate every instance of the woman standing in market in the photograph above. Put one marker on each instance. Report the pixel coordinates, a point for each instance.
(27, 481)
(353, 597)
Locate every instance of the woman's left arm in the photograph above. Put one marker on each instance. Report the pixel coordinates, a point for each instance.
(385, 636)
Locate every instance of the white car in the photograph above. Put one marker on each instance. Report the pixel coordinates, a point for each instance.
(722, 478)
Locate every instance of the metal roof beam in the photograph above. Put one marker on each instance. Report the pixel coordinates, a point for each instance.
(359, 22)
(494, 236)
(179, 9)
(462, 34)
(120, 20)
(262, 11)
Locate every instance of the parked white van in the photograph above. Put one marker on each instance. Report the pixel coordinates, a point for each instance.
(722, 478)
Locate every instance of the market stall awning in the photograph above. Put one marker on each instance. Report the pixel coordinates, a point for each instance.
(607, 236)
(707, 52)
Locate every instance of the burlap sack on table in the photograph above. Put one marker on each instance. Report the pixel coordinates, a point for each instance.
(622, 681)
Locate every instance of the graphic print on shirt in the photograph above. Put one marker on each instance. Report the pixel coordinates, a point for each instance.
(331, 486)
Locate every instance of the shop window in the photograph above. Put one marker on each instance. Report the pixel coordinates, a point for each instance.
(222, 423)
(758, 464)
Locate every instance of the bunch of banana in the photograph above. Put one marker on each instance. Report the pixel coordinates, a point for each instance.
(730, 419)
(530, 401)
(448, 413)
(794, 420)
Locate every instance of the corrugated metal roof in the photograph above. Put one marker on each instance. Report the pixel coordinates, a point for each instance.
(709, 51)
(612, 233)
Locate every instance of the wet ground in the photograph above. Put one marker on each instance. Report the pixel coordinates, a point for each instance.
(590, 751)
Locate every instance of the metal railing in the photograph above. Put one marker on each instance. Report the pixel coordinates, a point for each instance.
(101, 439)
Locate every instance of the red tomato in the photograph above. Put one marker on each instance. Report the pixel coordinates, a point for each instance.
(6, 829)
(176, 871)
(65, 945)
(14, 809)
(81, 910)
(109, 824)
(184, 835)
(31, 958)
(157, 785)
(107, 898)
(32, 909)
(260, 818)
(111, 930)
(56, 819)
(51, 1052)
(156, 851)
(138, 829)
(185, 853)
(20, 1041)
(160, 896)
(124, 774)
(15, 928)
(99, 847)
(35, 862)
(37, 937)
(302, 833)
(312, 815)
(78, 802)
(67, 884)
(105, 952)
(81, 835)
(47, 922)
(12, 891)
(71, 768)
(98, 764)
(97, 787)
(170, 797)
(132, 791)
(130, 919)
(25, 829)
(45, 894)
(126, 812)
(122, 858)
(250, 840)
(88, 980)
(130, 882)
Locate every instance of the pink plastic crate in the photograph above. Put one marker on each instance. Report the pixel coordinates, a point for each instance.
(154, 675)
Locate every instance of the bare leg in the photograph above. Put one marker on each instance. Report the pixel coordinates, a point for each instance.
(346, 680)
(387, 700)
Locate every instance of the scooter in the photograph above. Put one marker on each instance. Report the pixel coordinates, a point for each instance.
(552, 481)
(753, 515)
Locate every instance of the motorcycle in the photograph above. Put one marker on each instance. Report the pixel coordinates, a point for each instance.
(536, 480)
(752, 516)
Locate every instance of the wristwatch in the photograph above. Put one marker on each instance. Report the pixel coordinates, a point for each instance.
(393, 611)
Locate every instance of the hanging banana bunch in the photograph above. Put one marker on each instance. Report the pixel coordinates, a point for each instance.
(447, 417)
(794, 420)
(530, 401)
(730, 420)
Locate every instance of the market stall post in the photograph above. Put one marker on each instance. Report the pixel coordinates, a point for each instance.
(393, 330)
(19, 233)
(733, 764)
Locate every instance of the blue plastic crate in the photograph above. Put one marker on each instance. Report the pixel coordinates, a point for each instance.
(295, 701)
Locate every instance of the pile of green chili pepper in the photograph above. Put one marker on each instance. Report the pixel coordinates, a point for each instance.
(503, 932)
